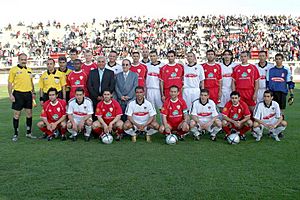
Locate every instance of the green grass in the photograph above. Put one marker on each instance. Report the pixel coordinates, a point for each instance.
(37, 169)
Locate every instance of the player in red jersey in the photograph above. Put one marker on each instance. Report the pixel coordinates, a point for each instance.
(109, 114)
(139, 68)
(77, 78)
(246, 81)
(53, 116)
(170, 74)
(213, 77)
(175, 116)
(89, 64)
(236, 116)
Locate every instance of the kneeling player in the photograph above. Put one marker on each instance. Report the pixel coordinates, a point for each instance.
(80, 110)
(205, 116)
(53, 116)
(175, 117)
(236, 115)
(141, 116)
(267, 114)
(109, 113)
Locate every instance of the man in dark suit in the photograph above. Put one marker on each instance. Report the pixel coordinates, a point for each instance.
(126, 82)
(100, 79)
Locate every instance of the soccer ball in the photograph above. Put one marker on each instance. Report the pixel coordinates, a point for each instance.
(233, 138)
(171, 139)
(107, 138)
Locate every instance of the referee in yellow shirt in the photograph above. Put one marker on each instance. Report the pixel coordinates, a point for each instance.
(21, 90)
(62, 62)
(52, 78)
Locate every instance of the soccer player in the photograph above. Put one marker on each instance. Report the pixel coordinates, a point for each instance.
(21, 92)
(175, 116)
(109, 114)
(62, 62)
(53, 116)
(80, 110)
(152, 80)
(246, 80)
(139, 68)
(170, 74)
(112, 64)
(141, 116)
(267, 115)
(227, 66)
(145, 54)
(89, 64)
(77, 78)
(193, 80)
(52, 78)
(213, 77)
(205, 117)
(263, 67)
(236, 116)
(73, 56)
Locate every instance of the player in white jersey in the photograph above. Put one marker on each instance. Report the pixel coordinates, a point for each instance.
(227, 68)
(192, 80)
(80, 110)
(267, 115)
(263, 67)
(152, 80)
(205, 117)
(141, 116)
(112, 64)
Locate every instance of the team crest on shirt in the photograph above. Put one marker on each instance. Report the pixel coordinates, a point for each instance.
(235, 116)
(195, 68)
(58, 109)
(210, 75)
(81, 77)
(249, 70)
(174, 74)
(108, 114)
(178, 106)
(84, 107)
(55, 117)
(175, 112)
(167, 71)
(111, 109)
(145, 107)
(215, 70)
(244, 74)
(77, 82)
(209, 107)
(139, 70)
(176, 69)
(273, 108)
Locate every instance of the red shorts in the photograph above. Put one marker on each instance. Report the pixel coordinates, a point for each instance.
(247, 96)
(214, 94)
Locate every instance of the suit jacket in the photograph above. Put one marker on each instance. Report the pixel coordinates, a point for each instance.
(107, 82)
(126, 88)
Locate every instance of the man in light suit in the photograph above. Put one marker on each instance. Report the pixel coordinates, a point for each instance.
(126, 82)
(100, 80)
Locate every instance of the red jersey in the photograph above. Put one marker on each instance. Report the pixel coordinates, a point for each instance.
(88, 68)
(76, 80)
(53, 112)
(141, 71)
(237, 112)
(245, 76)
(172, 75)
(174, 111)
(108, 111)
(213, 74)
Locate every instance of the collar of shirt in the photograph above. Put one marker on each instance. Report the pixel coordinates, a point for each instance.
(52, 72)
(21, 66)
(125, 73)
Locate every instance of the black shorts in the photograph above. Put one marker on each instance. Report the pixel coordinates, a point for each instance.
(280, 98)
(22, 100)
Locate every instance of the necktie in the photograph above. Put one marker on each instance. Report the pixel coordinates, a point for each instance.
(125, 76)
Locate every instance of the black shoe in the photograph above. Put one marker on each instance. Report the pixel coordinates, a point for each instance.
(44, 136)
(213, 138)
(63, 138)
(50, 137)
(225, 137)
(243, 137)
(74, 138)
(197, 138)
(281, 135)
(119, 137)
(87, 138)
(181, 137)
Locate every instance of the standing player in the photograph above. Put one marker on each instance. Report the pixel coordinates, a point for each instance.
(267, 115)
(227, 66)
(145, 56)
(21, 91)
(112, 64)
(175, 115)
(80, 110)
(236, 115)
(53, 116)
(193, 80)
(246, 80)
(77, 79)
(205, 117)
(263, 67)
(89, 64)
(62, 62)
(109, 114)
(141, 116)
(139, 68)
(170, 74)
(73, 56)
(213, 77)
(152, 80)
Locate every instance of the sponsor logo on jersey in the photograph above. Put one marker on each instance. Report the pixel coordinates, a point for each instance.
(235, 116)
(108, 114)
(77, 82)
(175, 112)
(244, 74)
(55, 117)
(210, 75)
(174, 74)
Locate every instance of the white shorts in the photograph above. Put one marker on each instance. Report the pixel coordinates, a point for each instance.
(260, 95)
(224, 98)
(190, 95)
(78, 119)
(132, 132)
(154, 96)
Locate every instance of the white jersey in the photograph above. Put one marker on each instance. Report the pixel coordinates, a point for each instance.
(265, 113)
(263, 73)
(152, 79)
(226, 75)
(205, 112)
(140, 113)
(193, 75)
(80, 110)
(115, 68)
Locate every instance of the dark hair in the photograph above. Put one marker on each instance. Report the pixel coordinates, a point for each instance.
(246, 52)
(227, 51)
(51, 60)
(106, 90)
(79, 89)
(171, 51)
(265, 52)
(87, 51)
(190, 52)
(235, 93)
(77, 60)
(210, 50)
(204, 91)
(153, 51)
(52, 90)
(174, 86)
(113, 51)
(126, 60)
(73, 51)
(135, 52)
(62, 58)
(279, 55)
(139, 88)
(268, 92)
